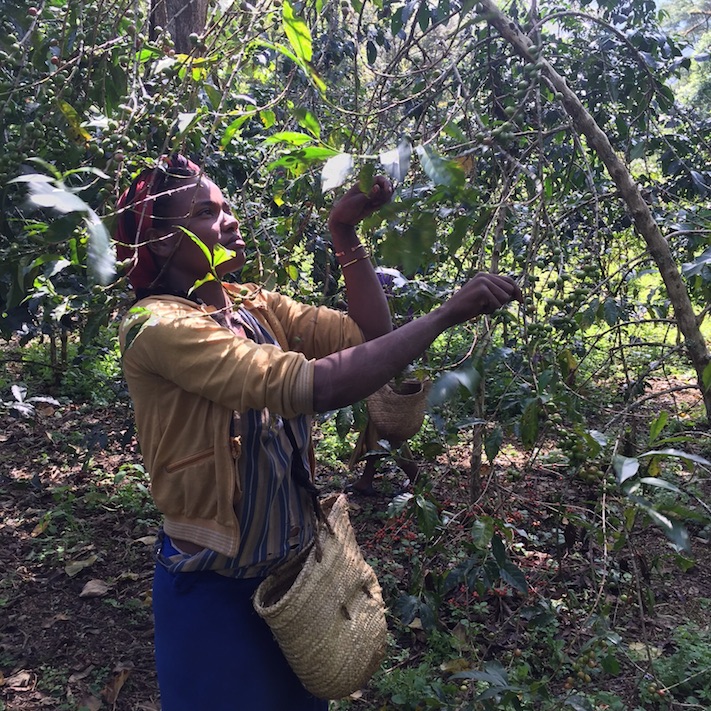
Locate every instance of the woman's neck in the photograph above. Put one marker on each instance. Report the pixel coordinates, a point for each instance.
(213, 294)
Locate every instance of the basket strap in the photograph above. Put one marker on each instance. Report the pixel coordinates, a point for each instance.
(301, 474)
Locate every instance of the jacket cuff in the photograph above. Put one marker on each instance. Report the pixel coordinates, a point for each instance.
(303, 394)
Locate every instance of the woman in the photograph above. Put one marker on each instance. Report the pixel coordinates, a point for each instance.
(224, 379)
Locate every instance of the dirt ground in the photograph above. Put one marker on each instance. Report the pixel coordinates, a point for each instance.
(77, 529)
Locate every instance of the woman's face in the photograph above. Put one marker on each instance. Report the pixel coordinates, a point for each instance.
(202, 210)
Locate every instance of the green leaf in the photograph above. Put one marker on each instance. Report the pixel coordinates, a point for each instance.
(660, 483)
(610, 664)
(344, 421)
(492, 443)
(145, 54)
(594, 441)
(625, 467)
(684, 563)
(232, 130)
(423, 16)
(61, 229)
(439, 170)
(498, 549)
(450, 384)
(567, 361)
(405, 608)
(335, 171)
(297, 32)
(658, 425)
(673, 530)
(213, 95)
(413, 248)
(302, 157)
(137, 319)
(365, 178)
(396, 162)
(100, 256)
(699, 182)
(579, 703)
(203, 247)
(74, 121)
(427, 516)
(460, 228)
(530, 420)
(665, 97)
(452, 130)
(611, 311)
(185, 121)
(267, 117)
(308, 121)
(399, 503)
(199, 282)
(482, 532)
(688, 458)
(706, 376)
(293, 138)
(493, 674)
(694, 268)
(55, 197)
(512, 575)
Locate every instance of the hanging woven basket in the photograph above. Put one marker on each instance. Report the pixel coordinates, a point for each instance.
(398, 410)
(327, 611)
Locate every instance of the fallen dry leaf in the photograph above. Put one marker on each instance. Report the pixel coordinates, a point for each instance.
(78, 676)
(111, 691)
(455, 665)
(22, 680)
(147, 540)
(641, 651)
(61, 617)
(95, 588)
(40, 528)
(76, 566)
(90, 703)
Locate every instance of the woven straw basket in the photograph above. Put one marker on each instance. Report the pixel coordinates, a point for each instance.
(398, 411)
(328, 615)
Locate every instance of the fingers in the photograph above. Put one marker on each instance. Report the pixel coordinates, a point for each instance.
(492, 291)
(510, 288)
(502, 289)
(382, 190)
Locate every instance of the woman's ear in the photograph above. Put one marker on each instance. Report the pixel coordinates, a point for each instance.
(160, 242)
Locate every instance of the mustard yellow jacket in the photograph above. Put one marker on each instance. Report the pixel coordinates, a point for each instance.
(188, 375)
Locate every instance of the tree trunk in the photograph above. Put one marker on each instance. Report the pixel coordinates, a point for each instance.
(639, 210)
(181, 18)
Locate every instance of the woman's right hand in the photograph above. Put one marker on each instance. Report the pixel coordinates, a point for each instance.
(483, 294)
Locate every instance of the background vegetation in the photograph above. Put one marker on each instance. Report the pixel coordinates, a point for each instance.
(564, 143)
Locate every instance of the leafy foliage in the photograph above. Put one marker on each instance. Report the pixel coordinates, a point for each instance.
(283, 103)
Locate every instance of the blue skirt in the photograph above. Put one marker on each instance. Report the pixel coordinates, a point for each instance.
(214, 653)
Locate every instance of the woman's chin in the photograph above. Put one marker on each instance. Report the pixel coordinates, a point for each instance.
(231, 265)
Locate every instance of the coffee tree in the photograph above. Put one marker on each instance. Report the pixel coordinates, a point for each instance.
(507, 135)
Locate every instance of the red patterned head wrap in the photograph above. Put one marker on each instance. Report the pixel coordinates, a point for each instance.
(135, 211)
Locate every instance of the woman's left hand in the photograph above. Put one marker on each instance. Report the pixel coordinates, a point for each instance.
(355, 205)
